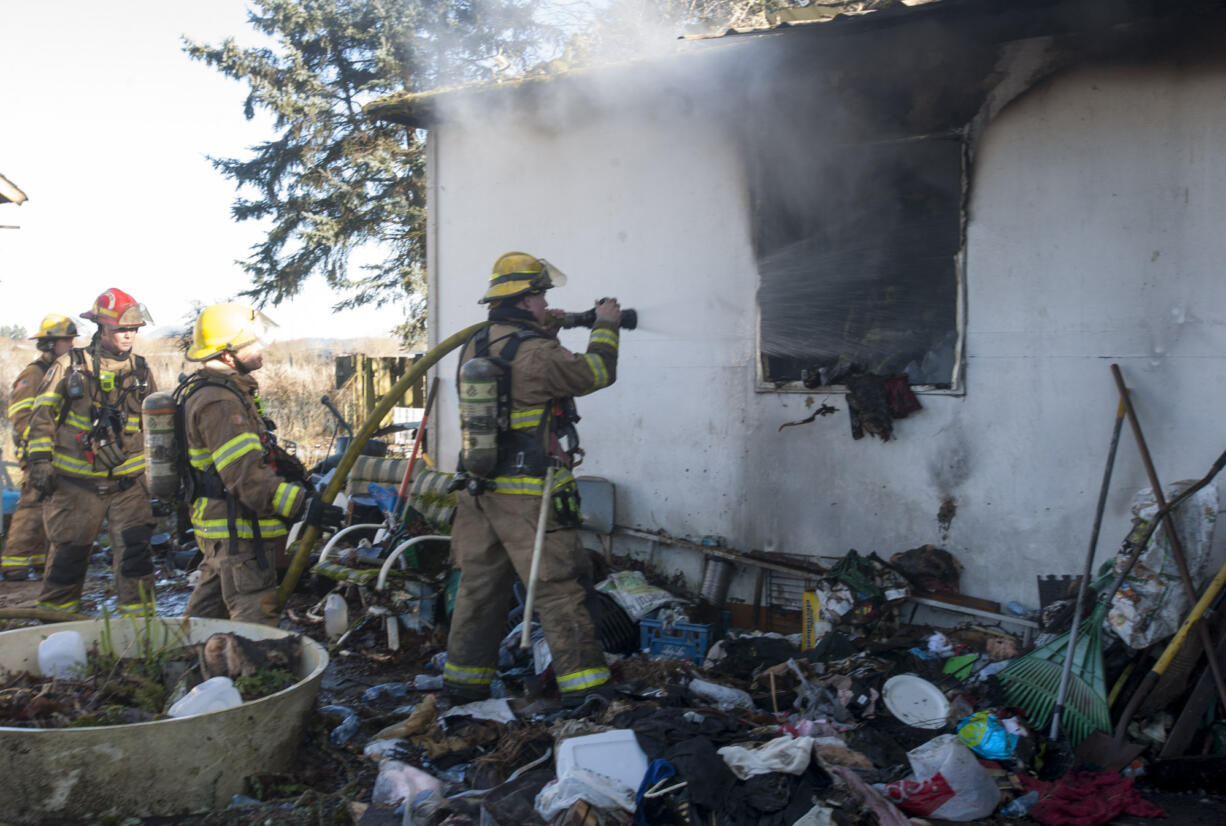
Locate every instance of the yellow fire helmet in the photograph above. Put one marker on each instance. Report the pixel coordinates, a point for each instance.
(227, 327)
(517, 273)
(56, 326)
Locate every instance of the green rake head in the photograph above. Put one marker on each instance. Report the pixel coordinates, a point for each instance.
(1033, 682)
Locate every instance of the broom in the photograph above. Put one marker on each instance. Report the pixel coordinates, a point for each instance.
(1032, 682)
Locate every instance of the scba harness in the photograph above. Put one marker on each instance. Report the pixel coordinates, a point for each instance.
(499, 442)
(206, 482)
(102, 440)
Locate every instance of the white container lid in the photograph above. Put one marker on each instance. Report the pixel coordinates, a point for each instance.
(915, 701)
(613, 753)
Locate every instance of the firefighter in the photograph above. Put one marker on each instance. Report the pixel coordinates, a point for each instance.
(25, 547)
(495, 526)
(86, 452)
(238, 499)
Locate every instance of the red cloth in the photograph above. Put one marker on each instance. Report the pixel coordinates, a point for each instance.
(1087, 799)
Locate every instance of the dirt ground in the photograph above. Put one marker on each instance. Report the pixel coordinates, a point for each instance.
(331, 784)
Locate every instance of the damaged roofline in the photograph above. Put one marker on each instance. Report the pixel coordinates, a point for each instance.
(999, 21)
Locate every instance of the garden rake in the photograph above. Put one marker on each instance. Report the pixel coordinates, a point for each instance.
(1032, 682)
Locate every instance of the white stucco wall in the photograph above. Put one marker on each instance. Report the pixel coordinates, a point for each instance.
(1095, 235)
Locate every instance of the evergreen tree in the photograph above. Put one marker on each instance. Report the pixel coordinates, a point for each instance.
(334, 181)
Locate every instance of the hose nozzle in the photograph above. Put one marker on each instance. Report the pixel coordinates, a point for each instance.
(630, 319)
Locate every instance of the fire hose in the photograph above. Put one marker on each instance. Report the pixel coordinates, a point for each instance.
(310, 533)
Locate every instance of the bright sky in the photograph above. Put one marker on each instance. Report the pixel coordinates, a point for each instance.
(105, 124)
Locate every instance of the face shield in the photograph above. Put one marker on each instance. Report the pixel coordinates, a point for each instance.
(553, 276)
(257, 328)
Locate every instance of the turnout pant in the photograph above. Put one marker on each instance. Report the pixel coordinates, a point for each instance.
(233, 585)
(492, 541)
(25, 544)
(73, 518)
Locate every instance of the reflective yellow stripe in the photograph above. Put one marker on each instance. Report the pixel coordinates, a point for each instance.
(24, 404)
(600, 376)
(583, 680)
(220, 528)
(74, 419)
(72, 605)
(133, 423)
(531, 485)
(234, 449)
(49, 400)
(526, 419)
(285, 500)
(15, 561)
(603, 336)
(468, 675)
(78, 467)
(138, 609)
(201, 458)
(38, 559)
(43, 444)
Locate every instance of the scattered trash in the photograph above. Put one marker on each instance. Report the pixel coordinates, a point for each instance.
(723, 696)
(336, 615)
(615, 754)
(947, 782)
(1020, 806)
(62, 654)
(214, 694)
(915, 701)
(599, 790)
(344, 732)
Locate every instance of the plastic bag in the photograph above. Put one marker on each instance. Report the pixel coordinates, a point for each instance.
(947, 782)
(786, 755)
(634, 594)
(399, 782)
(1151, 603)
(599, 790)
(986, 736)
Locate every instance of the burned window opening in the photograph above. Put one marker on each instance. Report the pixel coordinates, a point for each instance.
(858, 266)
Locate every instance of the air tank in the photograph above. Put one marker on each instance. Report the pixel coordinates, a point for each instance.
(158, 418)
(479, 388)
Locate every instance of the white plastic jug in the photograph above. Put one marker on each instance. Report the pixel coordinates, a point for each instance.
(336, 615)
(62, 654)
(214, 694)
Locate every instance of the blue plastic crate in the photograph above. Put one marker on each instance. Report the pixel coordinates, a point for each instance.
(685, 641)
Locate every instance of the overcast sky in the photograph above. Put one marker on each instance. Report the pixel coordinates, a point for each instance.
(105, 124)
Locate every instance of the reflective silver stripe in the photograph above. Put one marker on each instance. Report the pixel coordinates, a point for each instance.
(531, 485)
(526, 419)
(582, 680)
(468, 675)
(76, 420)
(25, 404)
(285, 500)
(234, 449)
(600, 376)
(77, 467)
(603, 336)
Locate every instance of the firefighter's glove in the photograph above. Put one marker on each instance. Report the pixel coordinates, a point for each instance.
(319, 514)
(108, 455)
(42, 478)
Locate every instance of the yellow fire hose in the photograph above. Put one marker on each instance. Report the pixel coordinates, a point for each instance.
(310, 534)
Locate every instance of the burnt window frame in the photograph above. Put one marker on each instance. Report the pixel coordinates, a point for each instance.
(956, 386)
